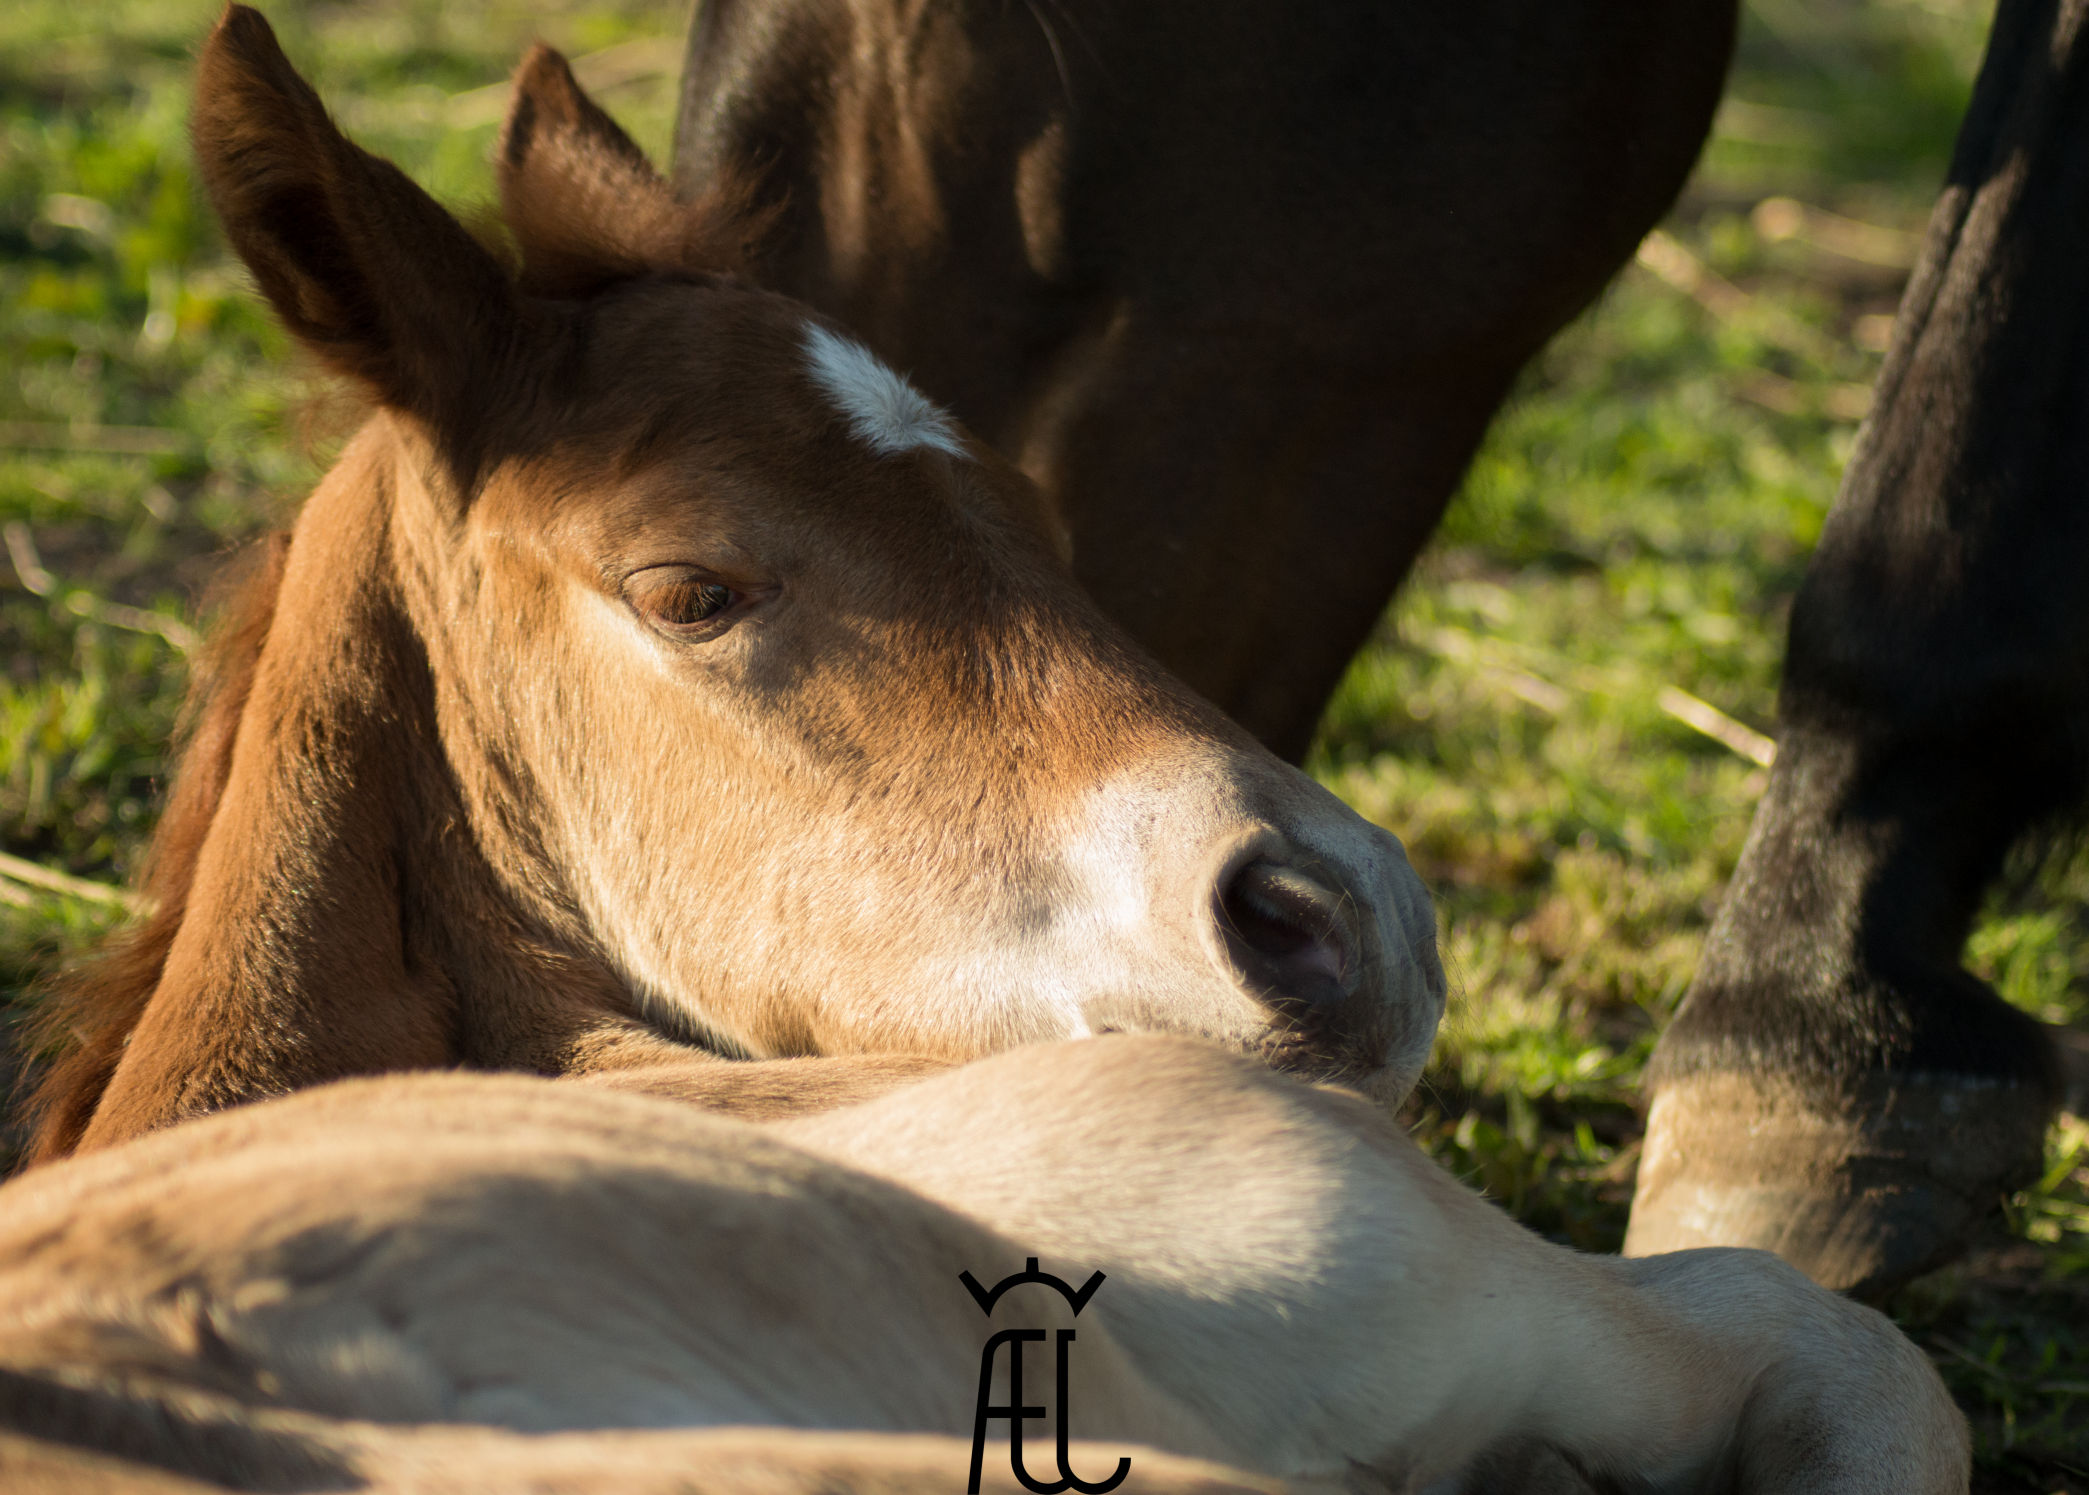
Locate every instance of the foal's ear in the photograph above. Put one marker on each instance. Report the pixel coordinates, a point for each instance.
(360, 264)
(585, 205)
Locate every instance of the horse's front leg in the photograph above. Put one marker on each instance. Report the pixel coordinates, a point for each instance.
(1837, 1086)
(1285, 1263)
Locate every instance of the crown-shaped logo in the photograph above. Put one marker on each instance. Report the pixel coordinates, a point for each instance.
(1077, 1298)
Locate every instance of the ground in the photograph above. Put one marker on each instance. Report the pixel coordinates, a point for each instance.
(1621, 559)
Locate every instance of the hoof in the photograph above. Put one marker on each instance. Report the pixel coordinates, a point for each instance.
(1863, 1191)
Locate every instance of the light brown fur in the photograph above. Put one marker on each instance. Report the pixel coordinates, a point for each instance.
(469, 803)
(1291, 1288)
(246, 1449)
(472, 802)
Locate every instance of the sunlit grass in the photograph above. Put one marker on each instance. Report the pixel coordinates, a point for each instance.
(1637, 524)
(1639, 521)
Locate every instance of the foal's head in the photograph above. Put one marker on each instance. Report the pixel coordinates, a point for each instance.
(655, 642)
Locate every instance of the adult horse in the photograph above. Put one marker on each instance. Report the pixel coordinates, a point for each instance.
(658, 678)
(1241, 292)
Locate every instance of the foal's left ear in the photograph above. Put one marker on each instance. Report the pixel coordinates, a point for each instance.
(584, 204)
(363, 266)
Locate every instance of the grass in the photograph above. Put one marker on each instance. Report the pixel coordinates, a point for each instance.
(1636, 525)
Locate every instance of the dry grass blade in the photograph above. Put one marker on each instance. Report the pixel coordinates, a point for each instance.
(28, 564)
(29, 570)
(1845, 402)
(36, 875)
(1784, 218)
(1668, 259)
(135, 619)
(1736, 737)
(1532, 690)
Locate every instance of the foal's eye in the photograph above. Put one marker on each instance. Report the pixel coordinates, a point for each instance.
(676, 597)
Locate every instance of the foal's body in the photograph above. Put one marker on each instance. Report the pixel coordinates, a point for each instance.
(1291, 1288)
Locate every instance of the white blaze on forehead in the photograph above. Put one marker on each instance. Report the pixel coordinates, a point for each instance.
(883, 410)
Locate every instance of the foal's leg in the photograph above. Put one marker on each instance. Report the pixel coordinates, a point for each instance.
(1284, 1263)
(59, 1439)
(516, 1253)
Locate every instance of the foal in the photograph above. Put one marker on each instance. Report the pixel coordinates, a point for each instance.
(657, 678)
(1289, 1288)
(656, 663)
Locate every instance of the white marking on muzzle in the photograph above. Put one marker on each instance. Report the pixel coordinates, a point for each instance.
(884, 411)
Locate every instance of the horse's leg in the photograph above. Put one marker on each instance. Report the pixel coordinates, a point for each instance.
(110, 1439)
(1837, 1087)
(749, 1461)
(1284, 1263)
(506, 1251)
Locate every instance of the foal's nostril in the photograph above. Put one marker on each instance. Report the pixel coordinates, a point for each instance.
(1286, 932)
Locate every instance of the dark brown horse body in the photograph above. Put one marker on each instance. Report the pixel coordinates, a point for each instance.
(1241, 290)
(1239, 286)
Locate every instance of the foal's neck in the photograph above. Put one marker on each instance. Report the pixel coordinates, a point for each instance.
(342, 919)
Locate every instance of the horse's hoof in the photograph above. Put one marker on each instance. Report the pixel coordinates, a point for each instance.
(1862, 1190)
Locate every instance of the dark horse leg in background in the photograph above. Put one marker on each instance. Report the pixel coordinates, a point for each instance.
(1240, 285)
(1836, 1086)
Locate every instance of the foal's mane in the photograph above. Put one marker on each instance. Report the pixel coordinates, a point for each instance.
(586, 212)
(85, 1014)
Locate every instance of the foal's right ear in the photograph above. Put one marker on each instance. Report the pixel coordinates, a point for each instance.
(585, 205)
(360, 263)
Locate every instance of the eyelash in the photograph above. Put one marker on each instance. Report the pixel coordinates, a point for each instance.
(680, 601)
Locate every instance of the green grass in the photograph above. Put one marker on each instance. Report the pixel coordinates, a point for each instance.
(125, 326)
(1640, 519)
(1637, 522)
